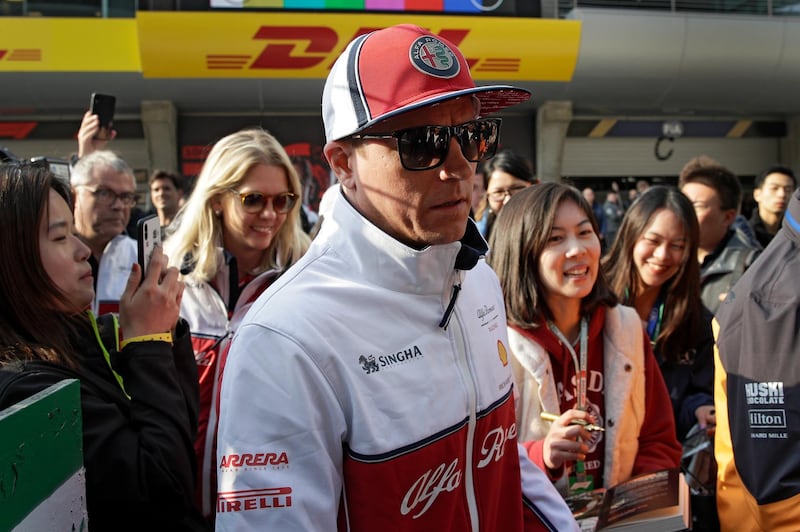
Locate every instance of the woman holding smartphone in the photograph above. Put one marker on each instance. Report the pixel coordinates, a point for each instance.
(238, 231)
(576, 353)
(138, 385)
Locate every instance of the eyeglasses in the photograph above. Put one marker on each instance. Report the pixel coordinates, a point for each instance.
(426, 147)
(107, 196)
(500, 195)
(254, 202)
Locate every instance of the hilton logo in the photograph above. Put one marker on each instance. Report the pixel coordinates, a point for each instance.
(767, 419)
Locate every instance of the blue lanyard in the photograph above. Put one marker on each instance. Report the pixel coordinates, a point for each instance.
(655, 319)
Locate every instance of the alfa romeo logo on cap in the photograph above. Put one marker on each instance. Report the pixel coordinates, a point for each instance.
(432, 56)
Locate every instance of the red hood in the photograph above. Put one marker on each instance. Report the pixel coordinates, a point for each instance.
(543, 336)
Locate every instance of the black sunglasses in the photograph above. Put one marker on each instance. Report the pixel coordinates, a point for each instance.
(425, 147)
(254, 202)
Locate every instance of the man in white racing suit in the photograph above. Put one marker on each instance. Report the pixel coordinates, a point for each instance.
(369, 388)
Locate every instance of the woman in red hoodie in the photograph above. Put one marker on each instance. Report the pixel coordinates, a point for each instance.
(578, 357)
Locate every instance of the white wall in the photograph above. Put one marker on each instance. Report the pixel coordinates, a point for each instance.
(612, 157)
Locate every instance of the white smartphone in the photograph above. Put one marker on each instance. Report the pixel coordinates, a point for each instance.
(148, 236)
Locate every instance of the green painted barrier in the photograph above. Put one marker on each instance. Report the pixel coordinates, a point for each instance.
(41, 461)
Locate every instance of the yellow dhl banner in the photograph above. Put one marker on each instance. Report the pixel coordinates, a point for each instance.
(275, 45)
(32, 44)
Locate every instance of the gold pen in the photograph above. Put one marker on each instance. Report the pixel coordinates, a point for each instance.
(591, 427)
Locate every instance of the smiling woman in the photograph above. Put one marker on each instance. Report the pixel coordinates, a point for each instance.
(238, 231)
(652, 267)
(574, 351)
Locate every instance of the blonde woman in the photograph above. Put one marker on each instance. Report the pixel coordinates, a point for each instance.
(238, 231)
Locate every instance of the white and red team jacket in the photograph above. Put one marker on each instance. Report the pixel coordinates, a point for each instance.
(346, 405)
(205, 308)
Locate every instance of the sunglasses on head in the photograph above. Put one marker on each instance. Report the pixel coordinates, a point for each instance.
(425, 147)
(254, 202)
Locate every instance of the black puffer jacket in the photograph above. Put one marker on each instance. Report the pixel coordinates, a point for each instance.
(137, 442)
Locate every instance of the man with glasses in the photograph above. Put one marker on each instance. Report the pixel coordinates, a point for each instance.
(104, 191)
(369, 387)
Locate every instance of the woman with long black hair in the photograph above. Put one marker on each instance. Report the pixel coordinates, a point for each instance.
(138, 379)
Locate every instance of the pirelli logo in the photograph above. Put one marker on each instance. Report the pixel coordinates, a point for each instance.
(248, 500)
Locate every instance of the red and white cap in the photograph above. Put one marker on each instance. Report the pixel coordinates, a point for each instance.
(399, 69)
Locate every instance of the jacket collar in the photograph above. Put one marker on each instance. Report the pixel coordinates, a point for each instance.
(380, 259)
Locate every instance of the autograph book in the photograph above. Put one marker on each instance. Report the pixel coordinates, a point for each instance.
(651, 502)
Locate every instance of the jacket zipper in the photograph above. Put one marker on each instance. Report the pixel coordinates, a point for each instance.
(472, 400)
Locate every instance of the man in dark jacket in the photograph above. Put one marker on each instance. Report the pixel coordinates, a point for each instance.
(773, 188)
(757, 395)
(723, 253)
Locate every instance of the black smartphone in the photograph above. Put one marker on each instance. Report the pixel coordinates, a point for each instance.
(103, 106)
(148, 236)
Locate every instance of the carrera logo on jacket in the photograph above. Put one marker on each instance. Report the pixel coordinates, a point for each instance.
(258, 499)
(424, 491)
(254, 461)
(373, 364)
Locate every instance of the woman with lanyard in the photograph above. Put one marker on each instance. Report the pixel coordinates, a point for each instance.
(651, 267)
(590, 399)
(138, 380)
(238, 231)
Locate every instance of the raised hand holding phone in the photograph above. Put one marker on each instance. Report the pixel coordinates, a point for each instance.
(89, 135)
(103, 105)
(151, 303)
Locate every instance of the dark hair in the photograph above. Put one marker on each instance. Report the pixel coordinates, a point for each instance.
(511, 163)
(30, 327)
(521, 233)
(708, 172)
(681, 323)
(176, 179)
(775, 169)
(482, 170)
